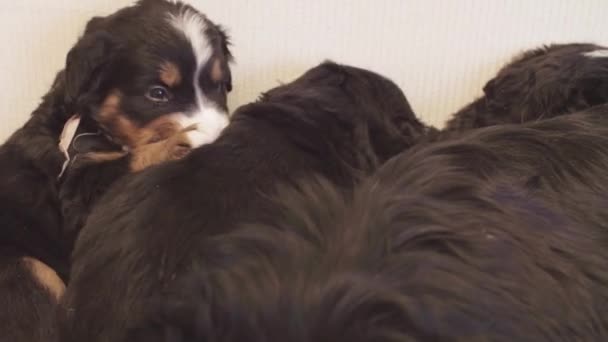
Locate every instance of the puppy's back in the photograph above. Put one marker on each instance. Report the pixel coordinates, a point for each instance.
(433, 247)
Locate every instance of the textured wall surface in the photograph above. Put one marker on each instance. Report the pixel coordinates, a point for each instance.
(440, 51)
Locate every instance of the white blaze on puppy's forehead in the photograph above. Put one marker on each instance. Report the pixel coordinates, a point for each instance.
(597, 54)
(207, 117)
(193, 26)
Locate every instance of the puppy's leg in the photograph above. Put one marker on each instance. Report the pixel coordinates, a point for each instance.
(45, 276)
(29, 293)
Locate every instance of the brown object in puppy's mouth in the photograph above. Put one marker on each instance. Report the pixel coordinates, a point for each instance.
(156, 149)
(160, 140)
(176, 147)
(131, 134)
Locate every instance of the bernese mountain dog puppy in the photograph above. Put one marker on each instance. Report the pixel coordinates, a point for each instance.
(500, 235)
(163, 80)
(334, 120)
(539, 84)
(151, 80)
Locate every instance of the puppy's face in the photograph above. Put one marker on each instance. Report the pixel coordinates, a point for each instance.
(151, 71)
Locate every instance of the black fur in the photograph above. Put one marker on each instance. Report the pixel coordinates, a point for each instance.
(500, 235)
(30, 219)
(539, 84)
(40, 216)
(337, 121)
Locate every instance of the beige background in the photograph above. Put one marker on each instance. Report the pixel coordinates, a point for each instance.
(440, 51)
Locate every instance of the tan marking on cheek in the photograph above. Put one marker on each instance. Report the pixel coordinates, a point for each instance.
(216, 71)
(114, 121)
(125, 131)
(170, 74)
(45, 276)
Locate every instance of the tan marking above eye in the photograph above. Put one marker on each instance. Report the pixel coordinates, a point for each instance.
(216, 71)
(170, 74)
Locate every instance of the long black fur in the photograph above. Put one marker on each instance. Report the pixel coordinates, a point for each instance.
(337, 121)
(499, 235)
(538, 84)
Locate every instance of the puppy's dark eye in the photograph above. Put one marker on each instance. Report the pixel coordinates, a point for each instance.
(158, 94)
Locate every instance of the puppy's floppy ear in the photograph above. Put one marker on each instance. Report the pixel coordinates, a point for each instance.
(86, 65)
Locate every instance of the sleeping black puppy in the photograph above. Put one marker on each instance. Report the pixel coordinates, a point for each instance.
(539, 84)
(338, 121)
(152, 79)
(500, 235)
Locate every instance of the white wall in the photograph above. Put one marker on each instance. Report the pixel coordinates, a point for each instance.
(440, 51)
